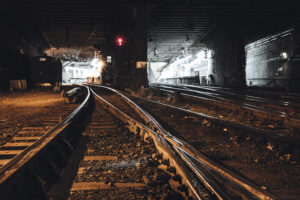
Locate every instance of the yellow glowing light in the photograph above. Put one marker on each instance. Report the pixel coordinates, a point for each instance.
(100, 63)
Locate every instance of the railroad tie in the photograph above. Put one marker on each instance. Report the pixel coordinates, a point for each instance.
(10, 152)
(17, 144)
(49, 123)
(20, 138)
(107, 123)
(4, 161)
(31, 132)
(99, 158)
(33, 128)
(100, 127)
(84, 186)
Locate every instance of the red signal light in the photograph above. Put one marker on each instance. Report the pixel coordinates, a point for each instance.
(120, 41)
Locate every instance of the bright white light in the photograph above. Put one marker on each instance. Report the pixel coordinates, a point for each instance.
(94, 61)
(183, 59)
(209, 54)
(100, 64)
(201, 55)
(97, 63)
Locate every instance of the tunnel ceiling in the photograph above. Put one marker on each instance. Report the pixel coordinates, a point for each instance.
(81, 23)
(172, 25)
(190, 25)
(71, 23)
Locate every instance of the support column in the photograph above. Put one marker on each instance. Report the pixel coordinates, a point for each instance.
(227, 66)
(138, 59)
(228, 62)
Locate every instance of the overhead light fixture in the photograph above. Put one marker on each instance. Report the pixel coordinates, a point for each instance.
(182, 50)
(284, 55)
(155, 51)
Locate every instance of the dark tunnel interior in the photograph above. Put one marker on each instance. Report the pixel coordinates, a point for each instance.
(150, 99)
(221, 43)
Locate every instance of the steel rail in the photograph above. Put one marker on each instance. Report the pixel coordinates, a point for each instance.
(279, 114)
(239, 91)
(247, 188)
(19, 160)
(221, 100)
(160, 143)
(248, 97)
(214, 93)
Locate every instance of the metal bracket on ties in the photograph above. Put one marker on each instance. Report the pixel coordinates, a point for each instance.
(68, 144)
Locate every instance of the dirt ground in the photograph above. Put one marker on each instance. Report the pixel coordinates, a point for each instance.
(20, 108)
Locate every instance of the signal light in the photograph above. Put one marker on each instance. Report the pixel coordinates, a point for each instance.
(120, 41)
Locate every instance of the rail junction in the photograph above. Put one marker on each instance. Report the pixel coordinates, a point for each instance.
(111, 146)
(149, 99)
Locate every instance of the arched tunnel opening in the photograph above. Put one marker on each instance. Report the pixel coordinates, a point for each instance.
(187, 68)
(83, 65)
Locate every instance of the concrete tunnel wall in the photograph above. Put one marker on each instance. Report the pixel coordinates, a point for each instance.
(273, 61)
(269, 61)
(222, 65)
(19, 40)
(14, 56)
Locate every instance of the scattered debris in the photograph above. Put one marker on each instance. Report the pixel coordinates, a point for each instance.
(264, 187)
(271, 126)
(270, 147)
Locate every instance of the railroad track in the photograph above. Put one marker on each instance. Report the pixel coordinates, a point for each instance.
(28, 172)
(121, 154)
(283, 97)
(116, 163)
(276, 102)
(247, 150)
(280, 98)
(223, 183)
(223, 123)
(267, 104)
(29, 134)
(285, 113)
